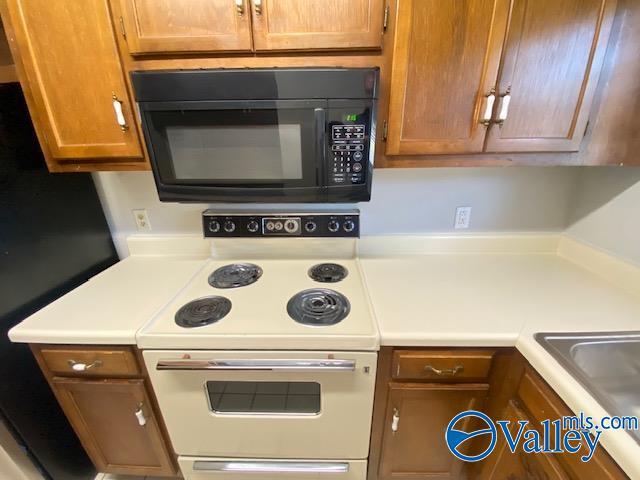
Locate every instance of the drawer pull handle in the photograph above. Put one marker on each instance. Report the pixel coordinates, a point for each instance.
(395, 420)
(445, 372)
(83, 367)
(139, 413)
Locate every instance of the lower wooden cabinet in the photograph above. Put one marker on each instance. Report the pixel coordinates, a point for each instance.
(502, 464)
(116, 425)
(414, 445)
(104, 393)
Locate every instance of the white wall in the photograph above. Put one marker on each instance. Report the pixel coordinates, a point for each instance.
(605, 212)
(404, 201)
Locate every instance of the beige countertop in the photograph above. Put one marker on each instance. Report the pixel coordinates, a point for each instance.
(488, 294)
(110, 307)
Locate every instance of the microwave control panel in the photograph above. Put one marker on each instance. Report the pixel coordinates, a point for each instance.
(347, 153)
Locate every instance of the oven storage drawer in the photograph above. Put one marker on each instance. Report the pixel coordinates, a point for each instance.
(206, 468)
(265, 404)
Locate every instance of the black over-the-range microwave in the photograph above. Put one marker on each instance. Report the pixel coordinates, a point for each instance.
(260, 135)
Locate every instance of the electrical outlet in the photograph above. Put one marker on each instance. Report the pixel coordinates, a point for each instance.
(142, 220)
(463, 217)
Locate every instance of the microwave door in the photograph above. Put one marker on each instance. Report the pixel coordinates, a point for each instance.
(233, 150)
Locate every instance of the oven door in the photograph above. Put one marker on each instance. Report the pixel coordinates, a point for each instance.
(250, 404)
(246, 150)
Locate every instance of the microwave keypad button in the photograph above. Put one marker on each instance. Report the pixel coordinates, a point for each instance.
(357, 167)
(357, 156)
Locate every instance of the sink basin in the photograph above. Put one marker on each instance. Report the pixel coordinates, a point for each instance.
(606, 364)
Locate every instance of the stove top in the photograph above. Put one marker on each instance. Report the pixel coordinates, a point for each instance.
(203, 311)
(319, 307)
(279, 307)
(235, 275)
(328, 272)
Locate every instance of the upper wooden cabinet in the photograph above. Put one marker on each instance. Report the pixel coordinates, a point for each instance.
(165, 26)
(156, 26)
(73, 80)
(551, 63)
(445, 61)
(495, 75)
(317, 24)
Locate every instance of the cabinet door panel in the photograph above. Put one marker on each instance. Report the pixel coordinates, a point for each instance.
(417, 449)
(445, 62)
(317, 24)
(103, 414)
(186, 25)
(69, 55)
(551, 63)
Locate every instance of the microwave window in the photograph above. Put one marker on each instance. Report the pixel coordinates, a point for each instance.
(294, 398)
(249, 152)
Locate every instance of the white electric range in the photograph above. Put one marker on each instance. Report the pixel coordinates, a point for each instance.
(265, 362)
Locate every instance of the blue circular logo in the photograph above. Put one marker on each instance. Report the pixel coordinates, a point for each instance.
(456, 438)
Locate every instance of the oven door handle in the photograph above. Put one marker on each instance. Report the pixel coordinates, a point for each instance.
(260, 365)
(271, 467)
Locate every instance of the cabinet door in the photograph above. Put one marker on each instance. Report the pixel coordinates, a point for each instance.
(552, 59)
(73, 76)
(445, 64)
(105, 416)
(502, 464)
(186, 25)
(416, 449)
(317, 24)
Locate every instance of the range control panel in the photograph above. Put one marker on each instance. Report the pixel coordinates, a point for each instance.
(308, 224)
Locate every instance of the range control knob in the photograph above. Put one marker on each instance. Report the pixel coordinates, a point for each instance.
(253, 226)
(333, 226)
(214, 226)
(348, 226)
(310, 226)
(229, 226)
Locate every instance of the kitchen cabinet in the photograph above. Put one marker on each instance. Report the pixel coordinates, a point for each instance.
(167, 26)
(413, 444)
(494, 75)
(502, 464)
(114, 421)
(74, 83)
(160, 26)
(7, 67)
(105, 394)
(418, 392)
(317, 24)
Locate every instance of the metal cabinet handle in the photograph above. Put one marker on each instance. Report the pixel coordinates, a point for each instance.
(395, 420)
(117, 107)
(139, 413)
(257, 6)
(259, 364)
(270, 467)
(488, 110)
(240, 7)
(445, 372)
(83, 367)
(505, 101)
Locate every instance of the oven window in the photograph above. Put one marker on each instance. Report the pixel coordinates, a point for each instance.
(301, 398)
(252, 152)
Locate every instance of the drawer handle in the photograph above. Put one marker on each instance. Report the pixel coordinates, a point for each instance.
(139, 413)
(445, 372)
(242, 466)
(83, 367)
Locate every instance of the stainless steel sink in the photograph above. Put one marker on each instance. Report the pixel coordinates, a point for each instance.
(606, 364)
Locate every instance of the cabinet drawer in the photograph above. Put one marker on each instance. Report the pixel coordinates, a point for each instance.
(90, 362)
(442, 365)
